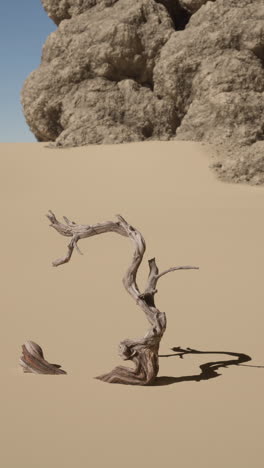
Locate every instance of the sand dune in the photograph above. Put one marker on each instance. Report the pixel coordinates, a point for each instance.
(79, 312)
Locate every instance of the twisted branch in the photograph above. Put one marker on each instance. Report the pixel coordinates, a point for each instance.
(143, 352)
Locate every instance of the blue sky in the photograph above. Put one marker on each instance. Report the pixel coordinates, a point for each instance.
(24, 27)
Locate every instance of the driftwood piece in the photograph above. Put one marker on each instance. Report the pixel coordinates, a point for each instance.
(32, 360)
(143, 352)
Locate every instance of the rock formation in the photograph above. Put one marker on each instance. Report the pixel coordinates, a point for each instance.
(121, 70)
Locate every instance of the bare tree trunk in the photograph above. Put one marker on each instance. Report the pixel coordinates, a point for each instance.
(143, 352)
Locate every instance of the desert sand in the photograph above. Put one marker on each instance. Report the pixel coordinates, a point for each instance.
(80, 311)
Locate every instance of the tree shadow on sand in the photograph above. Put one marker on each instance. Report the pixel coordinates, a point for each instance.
(208, 370)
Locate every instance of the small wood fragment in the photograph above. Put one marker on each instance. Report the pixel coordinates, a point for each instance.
(33, 361)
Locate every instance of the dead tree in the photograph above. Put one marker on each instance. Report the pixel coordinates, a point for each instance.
(143, 352)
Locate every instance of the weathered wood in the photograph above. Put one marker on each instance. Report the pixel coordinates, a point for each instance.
(32, 360)
(144, 352)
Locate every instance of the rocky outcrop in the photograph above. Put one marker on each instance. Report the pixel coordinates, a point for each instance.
(95, 82)
(118, 71)
(192, 5)
(59, 10)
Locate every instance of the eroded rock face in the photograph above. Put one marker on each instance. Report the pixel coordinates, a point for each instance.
(95, 81)
(192, 5)
(118, 71)
(215, 75)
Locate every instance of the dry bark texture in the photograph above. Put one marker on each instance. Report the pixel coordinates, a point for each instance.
(142, 352)
(118, 71)
(32, 360)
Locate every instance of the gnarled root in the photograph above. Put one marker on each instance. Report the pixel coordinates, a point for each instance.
(146, 361)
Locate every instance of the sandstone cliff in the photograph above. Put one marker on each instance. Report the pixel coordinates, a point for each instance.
(121, 70)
